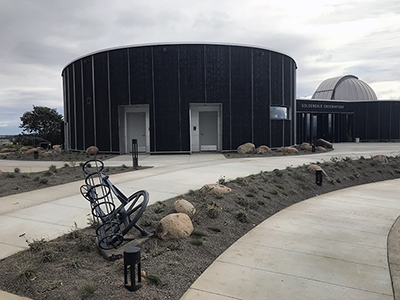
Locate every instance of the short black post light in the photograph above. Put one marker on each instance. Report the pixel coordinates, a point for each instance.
(135, 153)
(318, 177)
(313, 148)
(35, 154)
(131, 259)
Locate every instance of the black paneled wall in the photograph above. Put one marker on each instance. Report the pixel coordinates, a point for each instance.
(168, 78)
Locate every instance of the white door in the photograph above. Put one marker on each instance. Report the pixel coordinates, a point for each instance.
(208, 125)
(136, 129)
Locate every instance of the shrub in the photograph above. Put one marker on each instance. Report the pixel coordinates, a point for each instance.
(212, 210)
(75, 263)
(198, 233)
(215, 229)
(242, 216)
(88, 290)
(17, 170)
(197, 242)
(153, 279)
(159, 207)
(221, 180)
(37, 245)
(25, 270)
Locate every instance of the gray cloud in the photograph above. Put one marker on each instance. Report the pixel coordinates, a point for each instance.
(326, 38)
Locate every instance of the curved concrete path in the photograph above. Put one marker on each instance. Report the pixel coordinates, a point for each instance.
(51, 212)
(333, 246)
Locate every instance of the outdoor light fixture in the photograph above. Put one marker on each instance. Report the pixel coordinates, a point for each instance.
(131, 259)
(313, 148)
(135, 153)
(318, 177)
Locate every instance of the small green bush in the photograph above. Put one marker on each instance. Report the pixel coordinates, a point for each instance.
(242, 216)
(212, 210)
(159, 207)
(25, 270)
(37, 245)
(88, 290)
(198, 233)
(197, 242)
(215, 229)
(153, 279)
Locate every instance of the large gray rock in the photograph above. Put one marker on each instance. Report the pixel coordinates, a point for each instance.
(263, 149)
(287, 150)
(247, 148)
(381, 158)
(32, 150)
(25, 148)
(92, 150)
(184, 206)
(175, 226)
(313, 169)
(215, 189)
(323, 143)
(306, 146)
(8, 150)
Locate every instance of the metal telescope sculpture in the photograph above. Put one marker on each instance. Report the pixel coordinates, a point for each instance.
(112, 220)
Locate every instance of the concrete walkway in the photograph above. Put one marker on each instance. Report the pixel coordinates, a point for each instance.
(51, 212)
(333, 246)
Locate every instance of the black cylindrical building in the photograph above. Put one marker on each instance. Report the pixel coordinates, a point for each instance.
(179, 98)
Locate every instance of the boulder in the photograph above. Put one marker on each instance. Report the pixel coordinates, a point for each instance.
(184, 206)
(56, 147)
(381, 158)
(323, 143)
(313, 169)
(215, 189)
(287, 150)
(306, 146)
(25, 148)
(247, 148)
(38, 149)
(8, 150)
(263, 149)
(175, 226)
(92, 150)
(46, 154)
(322, 149)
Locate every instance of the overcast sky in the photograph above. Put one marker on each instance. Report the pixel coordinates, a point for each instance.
(326, 39)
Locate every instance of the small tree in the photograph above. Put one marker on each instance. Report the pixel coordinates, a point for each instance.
(43, 122)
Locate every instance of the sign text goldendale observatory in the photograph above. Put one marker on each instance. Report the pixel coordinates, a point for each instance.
(326, 106)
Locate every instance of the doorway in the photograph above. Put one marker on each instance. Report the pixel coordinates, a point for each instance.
(134, 123)
(136, 129)
(205, 127)
(208, 126)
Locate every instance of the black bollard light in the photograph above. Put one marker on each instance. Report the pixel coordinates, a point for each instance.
(313, 148)
(318, 177)
(135, 154)
(131, 259)
(35, 154)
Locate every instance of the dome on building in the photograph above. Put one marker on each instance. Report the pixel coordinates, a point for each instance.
(347, 87)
